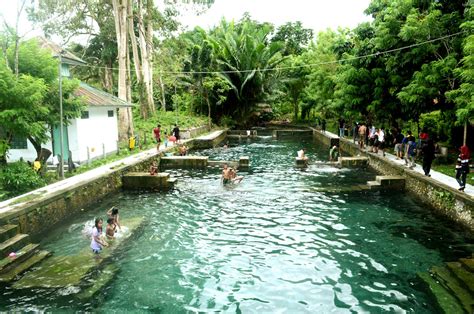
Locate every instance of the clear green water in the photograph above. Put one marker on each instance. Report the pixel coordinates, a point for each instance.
(273, 244)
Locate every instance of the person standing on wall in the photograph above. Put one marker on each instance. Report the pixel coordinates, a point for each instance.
(157, 134)
(428, 156)
(176, 133)
(323, 125)
(462, 166)
(341, 126)
(362, 131)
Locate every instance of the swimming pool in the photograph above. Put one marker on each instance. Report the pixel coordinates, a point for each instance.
(277, 242)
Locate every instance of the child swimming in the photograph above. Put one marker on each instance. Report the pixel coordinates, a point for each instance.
(114, 214)
(110, 230)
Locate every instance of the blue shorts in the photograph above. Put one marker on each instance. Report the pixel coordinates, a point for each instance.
(96, 251)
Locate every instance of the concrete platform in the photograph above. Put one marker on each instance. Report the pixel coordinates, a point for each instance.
(144, 180)
(184, 162)
(353, 162)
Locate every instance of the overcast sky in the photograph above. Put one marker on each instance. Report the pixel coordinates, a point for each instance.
(315, 14)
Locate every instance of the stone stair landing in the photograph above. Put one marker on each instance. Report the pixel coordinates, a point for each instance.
(387, 183)
(26, 254)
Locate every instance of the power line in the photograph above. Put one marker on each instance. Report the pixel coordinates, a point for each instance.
(297, 66)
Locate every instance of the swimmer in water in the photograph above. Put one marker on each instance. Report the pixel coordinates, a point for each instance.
(114, 214)
(110, 229)
(226, 175)
(234, 177)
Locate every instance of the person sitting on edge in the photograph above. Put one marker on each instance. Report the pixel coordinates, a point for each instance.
(334, 153)
(110, 229)
(234, 177)
(153, 168)
(226, 175)
(114, 213)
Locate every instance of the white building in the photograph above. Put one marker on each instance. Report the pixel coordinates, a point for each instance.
(92, 135)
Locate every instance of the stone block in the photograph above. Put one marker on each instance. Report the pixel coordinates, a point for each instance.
(391, 182)
(353, 162)
(144, 180)
(244, 162)
(184, 162)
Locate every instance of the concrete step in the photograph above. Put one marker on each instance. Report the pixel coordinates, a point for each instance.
(451, 282)
(374, 185)
(106, 275)
(8, 263)
(447, 302)
(24, 266)
(7, 231)
(465, 276)
(13, 244)
(395, 182)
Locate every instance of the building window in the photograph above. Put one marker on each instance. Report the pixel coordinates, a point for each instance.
(85, 115)
(110, 113)
(18, 142)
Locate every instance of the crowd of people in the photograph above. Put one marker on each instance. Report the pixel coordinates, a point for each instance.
(172, 137)
(406, 147)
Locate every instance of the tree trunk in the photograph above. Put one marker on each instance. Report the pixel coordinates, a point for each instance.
(295, 108)
(163, 98)
(108, 80)
(36, 145)
(208, 110)
(465, 134)
(17, 38)
(120, 19)
(136, 61)
(150, 52)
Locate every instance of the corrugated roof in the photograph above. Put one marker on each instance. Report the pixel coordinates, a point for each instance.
(66, 56)
(97, 98)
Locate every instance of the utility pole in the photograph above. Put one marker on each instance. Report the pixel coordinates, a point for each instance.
(61, 160)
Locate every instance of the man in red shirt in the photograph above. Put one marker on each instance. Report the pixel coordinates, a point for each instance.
(156, 133)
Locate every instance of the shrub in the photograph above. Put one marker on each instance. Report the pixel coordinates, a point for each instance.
(227, 121)
(18, 178)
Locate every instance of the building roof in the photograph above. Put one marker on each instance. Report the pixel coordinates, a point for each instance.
(97, 98)
(66, 56)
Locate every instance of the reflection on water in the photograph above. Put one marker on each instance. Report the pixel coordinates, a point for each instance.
(273, 243)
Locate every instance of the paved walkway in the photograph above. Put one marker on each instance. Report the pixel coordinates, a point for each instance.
(435, 175)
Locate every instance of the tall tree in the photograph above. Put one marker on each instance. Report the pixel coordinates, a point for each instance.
(294, 36)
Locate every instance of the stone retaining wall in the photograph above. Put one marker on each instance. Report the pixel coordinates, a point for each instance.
(439, 197)
(36, 214)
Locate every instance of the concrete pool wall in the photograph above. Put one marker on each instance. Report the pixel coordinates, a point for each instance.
(36, 212)
(440, 197)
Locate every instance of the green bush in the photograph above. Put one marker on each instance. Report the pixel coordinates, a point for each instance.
(227, 121)
(18, 178)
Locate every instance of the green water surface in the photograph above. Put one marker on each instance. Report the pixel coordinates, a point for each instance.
(276, 243)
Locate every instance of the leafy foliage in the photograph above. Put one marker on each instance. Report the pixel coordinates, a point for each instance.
(18, 178)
